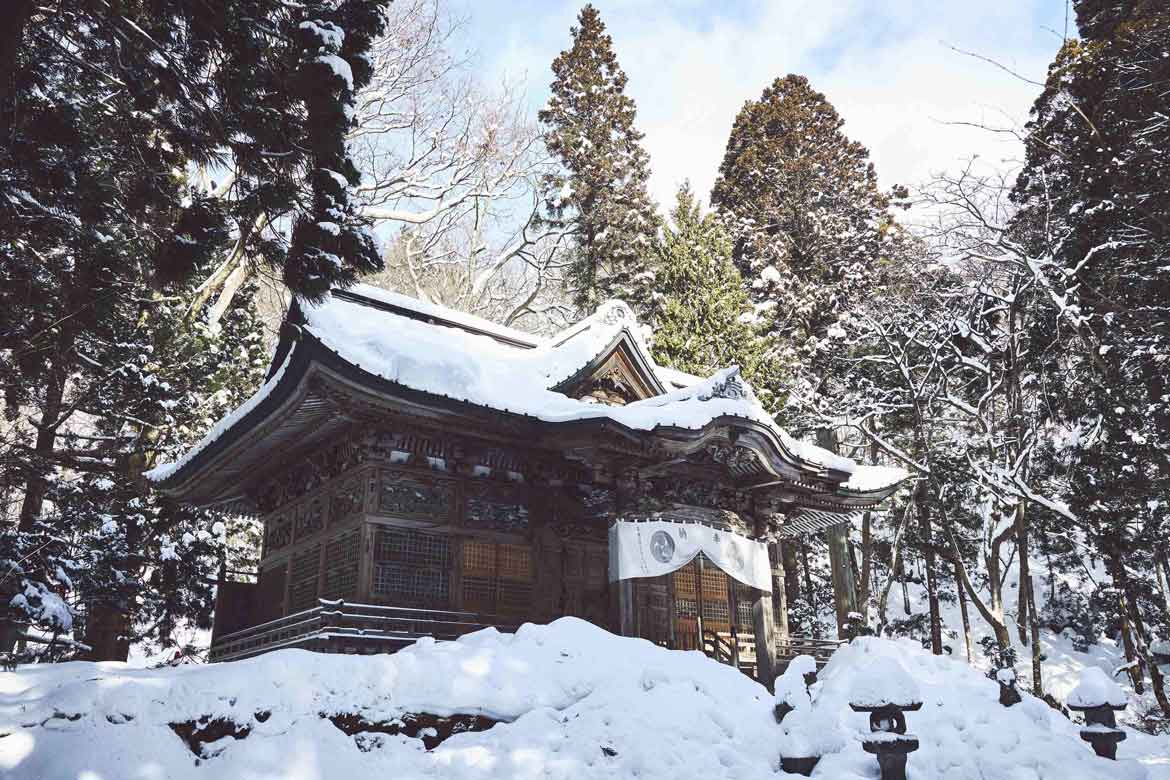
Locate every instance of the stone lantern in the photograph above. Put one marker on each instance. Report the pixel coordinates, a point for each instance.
(1099, 698)
(807, 733)
(887, 694)
(1008, 695)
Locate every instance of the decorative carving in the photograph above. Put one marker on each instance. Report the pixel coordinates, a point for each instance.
(615, 313)
(404, 496)
(346, 501)
(497, 508)
(719, 518)
(597, 501)
(280, 533)
(610, 389)
(694, 492)
(737, 459)
(591, 532)
(311, 520)
(732, 387)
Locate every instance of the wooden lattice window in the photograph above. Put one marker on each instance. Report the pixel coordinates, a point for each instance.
(716, 607)
(744, 601)
(341, 566)
(302, 591)
(412, 568)
(497, 578)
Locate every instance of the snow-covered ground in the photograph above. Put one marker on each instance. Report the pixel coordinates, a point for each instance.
(563, 700)
(1062, 664)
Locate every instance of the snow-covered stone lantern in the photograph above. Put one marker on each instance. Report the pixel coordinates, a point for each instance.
(794, 687)
(1008, 695)
(887, 694)
(1099, 698)
(807, 734)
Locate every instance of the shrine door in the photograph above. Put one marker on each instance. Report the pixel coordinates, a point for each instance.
(707, 600)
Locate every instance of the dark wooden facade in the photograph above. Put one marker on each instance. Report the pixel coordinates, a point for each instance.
(389, 512)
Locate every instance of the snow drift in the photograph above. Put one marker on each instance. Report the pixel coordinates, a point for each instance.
(565, 700)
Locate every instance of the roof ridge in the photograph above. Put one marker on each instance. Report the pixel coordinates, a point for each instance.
(436, 314)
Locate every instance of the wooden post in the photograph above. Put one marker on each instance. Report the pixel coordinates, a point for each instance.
(699, 599)
(625, 598)
(765, 629)
(626, 490)
(780, 588)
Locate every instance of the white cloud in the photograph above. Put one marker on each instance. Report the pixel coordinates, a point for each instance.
(886, 66)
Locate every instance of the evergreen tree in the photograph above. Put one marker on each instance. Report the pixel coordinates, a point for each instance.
(589, 127)
(809, 225)
(1095, 211)
(111, 233)
(702, 316)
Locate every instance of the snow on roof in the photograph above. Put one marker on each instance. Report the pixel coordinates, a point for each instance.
(676, 378)
(438, 312)
(164, 470)
(474, 366)
(572, 701)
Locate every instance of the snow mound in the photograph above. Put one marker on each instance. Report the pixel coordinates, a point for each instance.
(564, 700)
(1096, 689)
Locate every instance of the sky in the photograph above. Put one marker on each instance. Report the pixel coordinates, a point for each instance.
(888, 66)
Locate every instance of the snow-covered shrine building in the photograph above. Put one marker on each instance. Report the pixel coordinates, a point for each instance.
(420, 471)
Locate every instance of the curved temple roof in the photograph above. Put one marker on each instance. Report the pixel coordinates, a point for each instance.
(425, 352)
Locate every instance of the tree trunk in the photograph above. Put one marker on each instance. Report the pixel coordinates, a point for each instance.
(844, 586)
(866, 566)
(1025, 581)
(1133, 665)
(905, 590)
(36, 485)
(994, 619)
(967, 641)
(791, 569)
(811, 595)
(895, 568)
(1034, 626)
(1162, 575)
(17, 12)
(1142, 641)
(927, 530)
(840, 558)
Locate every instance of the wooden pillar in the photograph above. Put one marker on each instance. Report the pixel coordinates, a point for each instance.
(626, 489)
(765, 628)
(780, 588)
(625, 607)
(763, 618)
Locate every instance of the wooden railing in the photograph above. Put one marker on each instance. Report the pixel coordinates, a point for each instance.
(340, 627)
(820, 649)
(740, 650)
